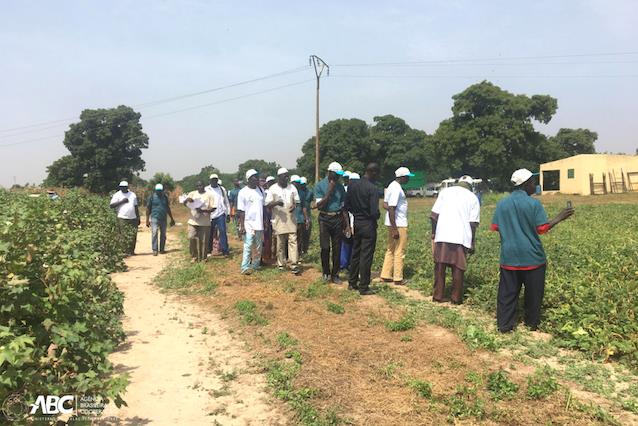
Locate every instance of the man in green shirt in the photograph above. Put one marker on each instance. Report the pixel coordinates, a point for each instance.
(333, 220)
(157, 207)
(520, 219)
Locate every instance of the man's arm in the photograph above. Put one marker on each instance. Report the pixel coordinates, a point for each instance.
(563, 215)
(474, 227)
(434, 218)
(170, 213)
(137, 214)
(393, 222)
(242, 229)
(374, 202)
(148, 211)
(332, 184)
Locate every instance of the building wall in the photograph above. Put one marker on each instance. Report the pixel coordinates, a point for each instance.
(585, 164)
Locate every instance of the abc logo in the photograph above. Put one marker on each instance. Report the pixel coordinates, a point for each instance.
(51, 404)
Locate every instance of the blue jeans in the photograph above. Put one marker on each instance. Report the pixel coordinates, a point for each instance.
(252, 259)
(158, 225)
(219, 223)
(346, 253)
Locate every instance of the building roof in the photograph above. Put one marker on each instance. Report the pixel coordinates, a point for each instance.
(604, 157)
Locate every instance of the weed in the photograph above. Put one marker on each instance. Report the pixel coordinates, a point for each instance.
(474, 378)
(389, 369)
(335, 309)
(406, 338)
(317, 290)
(183, 277)
(390, 294)
(285, 340)
(593, 377)
(227, 376)
(476, 337)
(596, 412)
(218, 393)
(465, 403)
(248, 312)
(205, 330)
(405, 323)
(422, 387)
(296, 356)
(541, 349)
(500, 386)
(542, 383)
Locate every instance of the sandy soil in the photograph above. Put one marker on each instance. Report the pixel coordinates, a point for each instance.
(185, 368)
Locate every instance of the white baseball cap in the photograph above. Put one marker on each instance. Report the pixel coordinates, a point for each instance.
(159, 187)
(303, 180)
(219, 181)
(124, 183)
(213, 176)
(403, 171)
(466, 179)
(354, 176)
(282, 171)
(347, 173)
(251, 172)
(295, 178)
(521, 176)
(269, 179)
(335, 167)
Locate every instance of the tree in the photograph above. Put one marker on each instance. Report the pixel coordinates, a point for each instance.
(346, 141)
(188, 182)
(165, 179)
(105, 147)
(575, 141)
(491, 133)
(265, 168)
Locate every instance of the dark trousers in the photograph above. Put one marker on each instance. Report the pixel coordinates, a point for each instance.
(363, 245)
(330, 235)
(301, 238)
(509, 287)
(439, 283)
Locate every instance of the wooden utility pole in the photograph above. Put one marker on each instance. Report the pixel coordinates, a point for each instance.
(319, 66)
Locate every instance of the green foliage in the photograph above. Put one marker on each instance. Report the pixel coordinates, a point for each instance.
(575, 141)
(165, 179)
(317, 290)
(465, 403)
(422, 387)
(247, 309)
(186, 278)
(265, 168)
(335, 308)
(285, 340)
(500, 386)
(188, 182)
(407, 322)
(60, 312)
(542, 383)
(105, 145)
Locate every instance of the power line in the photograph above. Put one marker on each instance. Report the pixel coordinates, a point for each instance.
(221, 101)
(485, 76)
(55, 123)
(470, 60)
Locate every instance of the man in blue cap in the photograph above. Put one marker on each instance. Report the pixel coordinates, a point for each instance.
(157, 207)
(520, 219)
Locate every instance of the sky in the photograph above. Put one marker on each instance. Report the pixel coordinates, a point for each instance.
(61, 57)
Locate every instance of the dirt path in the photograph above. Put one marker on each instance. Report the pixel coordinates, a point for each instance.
(185, 367)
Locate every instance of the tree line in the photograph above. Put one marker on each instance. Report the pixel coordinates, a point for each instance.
(491, 132)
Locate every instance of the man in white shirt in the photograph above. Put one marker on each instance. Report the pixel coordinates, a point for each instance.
(455, 218)
(283, 198)
(396, 220)
(250, 207)
(201, 204)
(128, 215)
(219, 217)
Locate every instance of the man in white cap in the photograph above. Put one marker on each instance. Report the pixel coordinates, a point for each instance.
(455, 218)
(396, 220)
(201, 203)
(520, 219)
(283, 198)
(269, 250)
(333, 220)
(250, 207)
(218, 218)
(157, 207)
(128, 215)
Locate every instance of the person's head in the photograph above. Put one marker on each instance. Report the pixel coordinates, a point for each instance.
(524, 180)
(346, 177)
(403, 175)
(283, 177)
(334, 171)
(252, 178)
(303, 182)
(270, 181)
(159, 189)
(237, 183)
(200, 186)
(214, 180)
(466, 181)
(124, 186)
(372, 171)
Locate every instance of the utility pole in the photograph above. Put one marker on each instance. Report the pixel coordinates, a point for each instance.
(319, 66)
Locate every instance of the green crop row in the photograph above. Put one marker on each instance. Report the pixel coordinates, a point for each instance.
(60, 313)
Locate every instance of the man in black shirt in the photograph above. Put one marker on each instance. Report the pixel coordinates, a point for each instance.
(362, 200)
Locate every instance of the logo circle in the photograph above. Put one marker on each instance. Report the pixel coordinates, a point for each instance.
(14, 407)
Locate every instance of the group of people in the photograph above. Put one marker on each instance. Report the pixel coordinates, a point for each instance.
(273, 216)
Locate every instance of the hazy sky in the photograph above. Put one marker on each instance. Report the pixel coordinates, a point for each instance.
(61, 57)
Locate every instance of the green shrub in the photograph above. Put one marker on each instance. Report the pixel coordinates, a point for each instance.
(541, 384)
(247, 309)
(335, 308)
(500, 386)
(405, 323)
(60, 312)
(421, 387)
